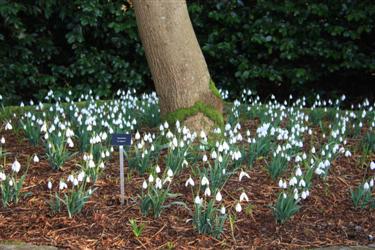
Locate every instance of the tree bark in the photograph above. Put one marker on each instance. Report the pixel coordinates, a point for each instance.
(177, 64)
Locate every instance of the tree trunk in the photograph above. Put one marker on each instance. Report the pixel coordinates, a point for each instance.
(177, 65)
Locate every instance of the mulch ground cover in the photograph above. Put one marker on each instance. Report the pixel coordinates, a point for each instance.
(327, 217)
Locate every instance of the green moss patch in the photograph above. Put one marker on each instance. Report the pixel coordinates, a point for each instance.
(183, 113)
(213, 89)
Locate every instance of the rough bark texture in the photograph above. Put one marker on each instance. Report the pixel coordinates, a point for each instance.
(177, 64)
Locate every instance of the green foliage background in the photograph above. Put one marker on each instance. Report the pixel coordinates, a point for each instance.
(282, 47)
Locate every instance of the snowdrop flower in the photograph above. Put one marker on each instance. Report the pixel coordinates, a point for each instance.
(293, 181)
(80, 176)
(372, 165)
(204, 158)
(298, 172)
(243, 174)
(198, 200)
(371, 182)
(243, 197)
(347, 153)
(16, 166)
(11, 183)
(170, 173)
(302, 183)
(296, 196)
(36, 159)
(219, 197)
(2, 141)
(8, 126)
(238, 208)
(91, 164)
(62, 185)
(366, 186)
(137, 136)
(214, 155)
(303, 195)
(190, 182)
(75, 182)
(207, 191)
(49, 185)
(158, 183)
(222, 210)
(3, 177)
(157, 169)
(166, 125)
(205, 181)
(144, 185)
(151, 178)
(319, 171)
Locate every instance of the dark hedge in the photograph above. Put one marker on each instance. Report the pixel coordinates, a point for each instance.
(281, 47)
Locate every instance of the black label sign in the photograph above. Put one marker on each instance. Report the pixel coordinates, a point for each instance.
(121, 139)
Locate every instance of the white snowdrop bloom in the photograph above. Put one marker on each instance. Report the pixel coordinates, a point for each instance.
(151, 178)
(222, 210)
(198, 200)
(101, 165)
(2, 141)
(227, 127)
(293, 181)
(3, 177)
(372, 165)
(303, 195)
(371, 182)
(175, 142)
(91, 164)
(190, 182)
(75, 182)
(296, 196)
(144, 184)
(204, 159)
(298, 172)
(36, 159)
(70, 143)
(62, 185)
(49, 185)
(220, 159)
(214, 155)
(11, 183)
(157, 169)
(319, 171)
(202, 134)
(281, 183)
(137, 136)
(16, 166)
(80, 176)
(158, 183)
(238, 208)
(366, 186)
(185, 163)
(218, 197)
(166, 125)
(169, 134)
(243, 197)
(205, 181)
(207, 191)
(170, 173)
(284, 195)
(347, 153)
(298, 158)
(327, 163)
(243, 174)
(8, 126)
(302, 183)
